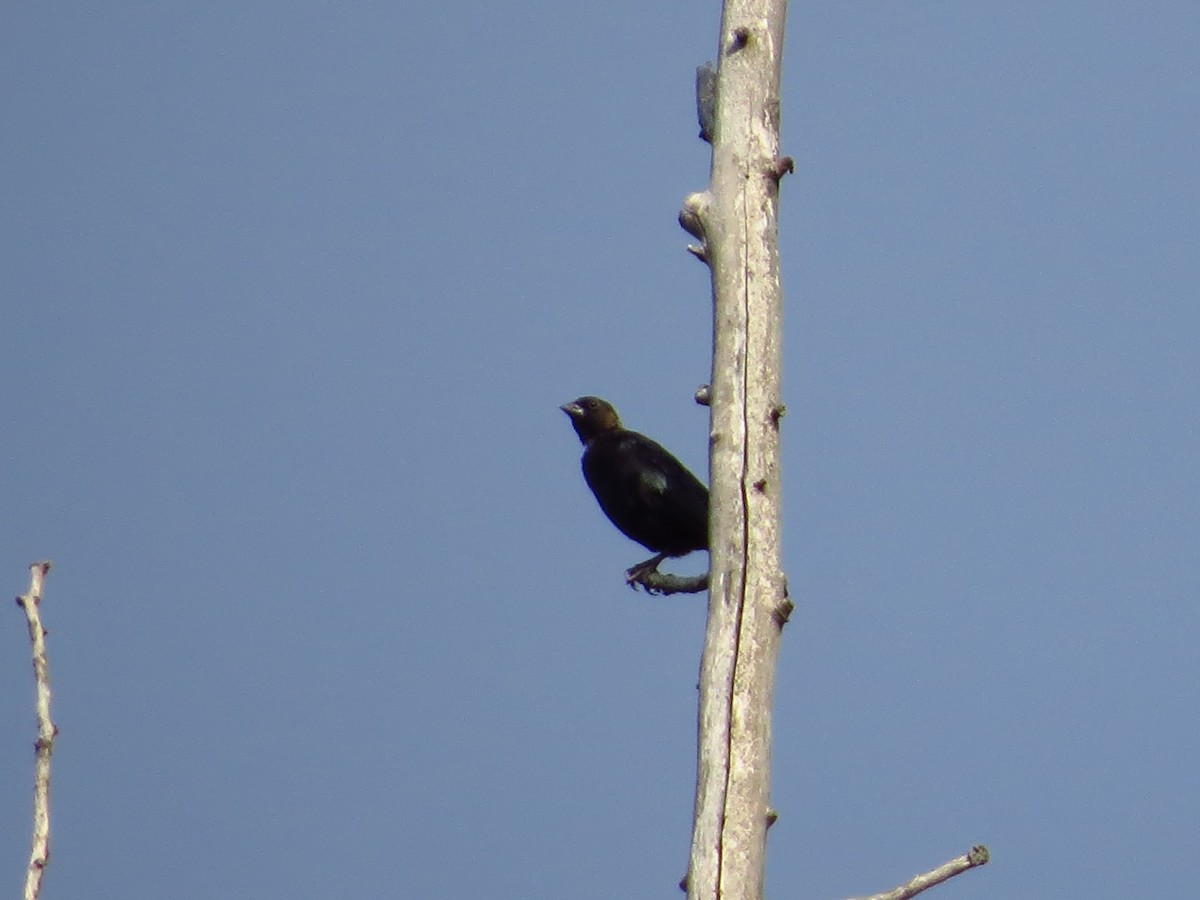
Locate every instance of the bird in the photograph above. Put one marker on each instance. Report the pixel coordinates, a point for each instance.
(646, 492)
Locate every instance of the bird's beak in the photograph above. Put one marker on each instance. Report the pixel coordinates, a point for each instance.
(572, 409)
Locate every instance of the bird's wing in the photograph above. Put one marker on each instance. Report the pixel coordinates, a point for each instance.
(662, 482)
(646, 492)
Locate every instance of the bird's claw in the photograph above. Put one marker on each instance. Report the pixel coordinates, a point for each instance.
(637, 575)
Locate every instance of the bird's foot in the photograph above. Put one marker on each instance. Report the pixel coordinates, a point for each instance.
(638, 574)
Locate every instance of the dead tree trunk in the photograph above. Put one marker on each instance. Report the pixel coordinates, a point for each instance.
(736, 221)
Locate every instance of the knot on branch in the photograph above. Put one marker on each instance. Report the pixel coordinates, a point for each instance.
(693, 218)
(783, 165)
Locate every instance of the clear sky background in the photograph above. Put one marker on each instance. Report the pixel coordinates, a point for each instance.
(290, 295)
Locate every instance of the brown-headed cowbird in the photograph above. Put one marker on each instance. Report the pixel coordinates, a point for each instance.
(644, 490)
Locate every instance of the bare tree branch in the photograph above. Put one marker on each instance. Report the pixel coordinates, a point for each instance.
(735, 222)
(39, 855)
(664, 583)
(977, 856)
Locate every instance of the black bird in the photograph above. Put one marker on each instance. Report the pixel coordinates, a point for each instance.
(644, 490)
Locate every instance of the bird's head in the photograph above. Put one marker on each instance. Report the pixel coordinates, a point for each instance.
(591, 416)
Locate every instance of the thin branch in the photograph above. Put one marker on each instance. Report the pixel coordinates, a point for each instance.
(39, 855)
(977, 856)
(663, 583)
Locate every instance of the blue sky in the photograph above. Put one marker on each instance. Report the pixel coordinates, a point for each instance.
(291, 294)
